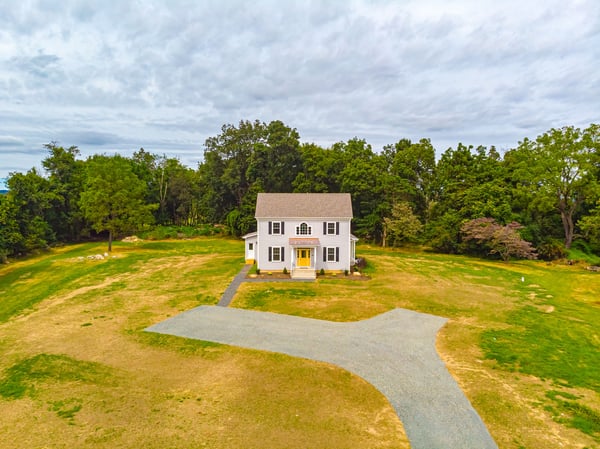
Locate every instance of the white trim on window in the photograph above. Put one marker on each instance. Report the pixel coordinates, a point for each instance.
(276, 228)
(276, 253)
(331, 228)
(303, 229)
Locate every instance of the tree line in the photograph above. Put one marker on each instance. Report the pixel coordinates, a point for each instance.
(539, 198)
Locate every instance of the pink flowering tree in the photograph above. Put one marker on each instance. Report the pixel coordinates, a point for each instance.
(497, 239)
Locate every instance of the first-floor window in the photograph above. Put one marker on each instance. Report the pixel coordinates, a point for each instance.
(276, 254)
(250, 246)
(331, 254)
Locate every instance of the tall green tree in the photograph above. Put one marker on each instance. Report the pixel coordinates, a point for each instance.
(180, 193)
(360, 176)
(114, 197)
(469, 183)
(11, 238)
(228, 156)
(402, 227)
(276, 160)
(561, 168)
(590, 226)
(66, 175)
(320, 172)
(410, 173)
(32, 198)
(242, 161)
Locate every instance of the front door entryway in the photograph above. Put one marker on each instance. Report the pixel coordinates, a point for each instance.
(303, 257)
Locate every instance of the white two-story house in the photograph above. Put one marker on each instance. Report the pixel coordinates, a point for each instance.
(303, 233)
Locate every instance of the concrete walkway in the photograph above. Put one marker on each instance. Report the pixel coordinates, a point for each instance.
(394, 351)
(229, 292)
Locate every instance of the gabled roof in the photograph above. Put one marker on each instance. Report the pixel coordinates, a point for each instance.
(303, 205)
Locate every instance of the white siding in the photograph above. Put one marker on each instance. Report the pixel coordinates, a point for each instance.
(266, 240)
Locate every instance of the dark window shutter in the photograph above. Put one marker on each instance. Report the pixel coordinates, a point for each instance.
(324, 254)
(337, 254)
(337, 228)
(270, 229)
(282, 254)
(282, 227)
(324, 228)
(270, 254)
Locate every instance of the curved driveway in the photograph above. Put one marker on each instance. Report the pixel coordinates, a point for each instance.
(394, 351)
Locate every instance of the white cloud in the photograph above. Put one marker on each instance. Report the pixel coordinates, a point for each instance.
(120, 75)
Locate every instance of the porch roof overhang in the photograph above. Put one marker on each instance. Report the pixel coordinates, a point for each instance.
(306, 242)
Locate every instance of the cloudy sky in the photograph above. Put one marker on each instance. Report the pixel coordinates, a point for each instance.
(118, 75)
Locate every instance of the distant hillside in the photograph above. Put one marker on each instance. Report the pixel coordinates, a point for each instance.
(3, 192)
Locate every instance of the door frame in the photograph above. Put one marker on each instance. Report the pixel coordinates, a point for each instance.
(307, 258)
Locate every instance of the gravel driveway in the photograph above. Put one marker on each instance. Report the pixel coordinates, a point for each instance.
(394, 351)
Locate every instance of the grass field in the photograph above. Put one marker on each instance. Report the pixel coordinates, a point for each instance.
(77, 370)
(523, 339)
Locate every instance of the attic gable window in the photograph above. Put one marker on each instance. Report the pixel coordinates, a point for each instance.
(303, 229)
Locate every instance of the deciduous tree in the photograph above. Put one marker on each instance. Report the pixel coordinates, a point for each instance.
(32, 198)
(590, 225)
(502, 240)
(114, 197)
(66, 174)
(561, 167)
(403, 226)
(10, 234)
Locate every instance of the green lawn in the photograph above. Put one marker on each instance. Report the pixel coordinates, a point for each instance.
(78, 370)
(527, 327)
(76, 366)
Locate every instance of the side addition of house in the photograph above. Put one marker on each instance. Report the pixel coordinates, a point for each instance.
(303, 233)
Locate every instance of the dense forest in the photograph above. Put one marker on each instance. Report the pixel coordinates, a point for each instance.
(538, 199)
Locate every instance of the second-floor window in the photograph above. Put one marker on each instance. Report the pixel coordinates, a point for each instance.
(303, 229)
(276, 228)
(331, 228)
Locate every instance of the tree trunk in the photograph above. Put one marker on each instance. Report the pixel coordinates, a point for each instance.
(567, 220)
(110, 239)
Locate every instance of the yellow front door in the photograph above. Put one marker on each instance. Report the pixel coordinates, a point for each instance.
(303, 257)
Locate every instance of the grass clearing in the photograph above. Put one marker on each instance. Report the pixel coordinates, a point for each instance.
(517, 331)
(77, 369)
(22, 377)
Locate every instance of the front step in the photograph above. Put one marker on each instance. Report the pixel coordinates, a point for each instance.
(304, 273)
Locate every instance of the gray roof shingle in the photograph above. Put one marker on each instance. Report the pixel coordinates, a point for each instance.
(303, 205)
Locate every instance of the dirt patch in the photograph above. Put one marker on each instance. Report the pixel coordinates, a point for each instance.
(132, 239)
